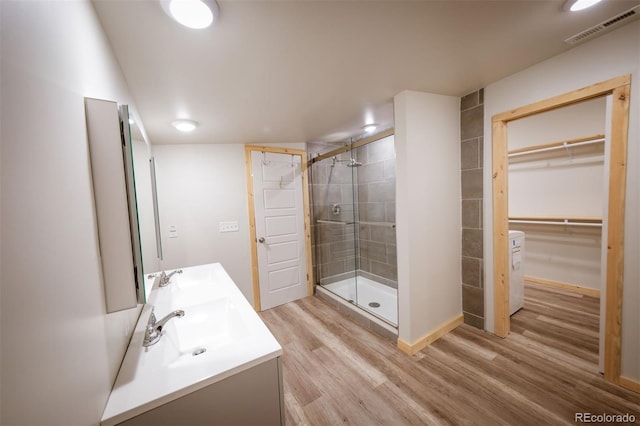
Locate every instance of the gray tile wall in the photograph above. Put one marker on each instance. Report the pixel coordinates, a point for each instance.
(471, 152)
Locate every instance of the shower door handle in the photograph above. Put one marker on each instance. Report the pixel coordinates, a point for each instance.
(261, 240)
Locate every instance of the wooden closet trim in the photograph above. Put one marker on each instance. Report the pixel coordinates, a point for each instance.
(619, 87)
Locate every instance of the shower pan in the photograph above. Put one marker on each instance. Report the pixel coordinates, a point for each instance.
(353, 231)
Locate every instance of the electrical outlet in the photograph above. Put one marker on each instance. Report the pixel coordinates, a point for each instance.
(229, 226)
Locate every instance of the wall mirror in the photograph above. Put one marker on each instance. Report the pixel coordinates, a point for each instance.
(125, 204)
(132, 201)
(146, 202)
(143, 195)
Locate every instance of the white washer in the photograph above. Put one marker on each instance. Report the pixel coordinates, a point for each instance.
(516, 275)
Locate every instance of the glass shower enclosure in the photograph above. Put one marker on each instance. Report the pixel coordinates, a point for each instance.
(353, 224)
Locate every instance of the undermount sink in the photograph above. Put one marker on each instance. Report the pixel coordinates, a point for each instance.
(210, 326)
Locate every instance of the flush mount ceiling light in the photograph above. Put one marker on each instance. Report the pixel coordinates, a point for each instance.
(370, 128)
(185, 125)
(575, 5)
(195, 14)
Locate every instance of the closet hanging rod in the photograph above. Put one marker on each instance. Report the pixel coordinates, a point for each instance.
(591, 219)
(565, 222)
(572, 143)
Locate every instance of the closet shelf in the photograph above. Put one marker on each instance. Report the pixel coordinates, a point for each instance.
(563, 221)
(566, 144)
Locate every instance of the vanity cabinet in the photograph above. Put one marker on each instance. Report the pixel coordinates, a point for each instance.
(252, 397)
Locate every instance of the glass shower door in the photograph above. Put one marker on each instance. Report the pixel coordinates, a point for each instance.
(375, 193)
(333, 196)
(353, 198)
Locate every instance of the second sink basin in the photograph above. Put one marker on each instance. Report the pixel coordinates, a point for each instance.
(193, 294)
(210, 326)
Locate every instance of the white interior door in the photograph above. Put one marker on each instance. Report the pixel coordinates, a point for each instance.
(280, 233)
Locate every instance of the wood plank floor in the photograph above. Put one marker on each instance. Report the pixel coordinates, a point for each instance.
(336, 372)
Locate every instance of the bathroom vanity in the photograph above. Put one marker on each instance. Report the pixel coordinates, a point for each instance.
(216, 365)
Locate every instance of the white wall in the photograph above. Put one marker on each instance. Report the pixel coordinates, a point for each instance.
(611, 55)
(569, 255)
(559, 183)
(427, 142)
(574, 121)
(60, 350)
(200, 186)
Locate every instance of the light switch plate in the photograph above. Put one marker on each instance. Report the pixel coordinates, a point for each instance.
(229, 226)
(173, 232)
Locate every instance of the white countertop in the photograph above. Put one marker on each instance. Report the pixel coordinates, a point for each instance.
(217, 318)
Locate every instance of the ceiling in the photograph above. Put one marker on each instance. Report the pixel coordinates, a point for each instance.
(314, 70)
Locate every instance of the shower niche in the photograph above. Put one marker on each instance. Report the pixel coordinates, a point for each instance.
(353, 202)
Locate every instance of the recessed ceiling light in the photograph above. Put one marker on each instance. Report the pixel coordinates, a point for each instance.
(370, 128)
(195, 14)
(576, 5)
(185, 125)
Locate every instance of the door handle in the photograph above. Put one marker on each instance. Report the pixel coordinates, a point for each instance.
(261, 240)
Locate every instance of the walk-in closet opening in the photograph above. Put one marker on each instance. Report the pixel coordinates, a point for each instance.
(353, 224)
(580, 195)
(557, 201)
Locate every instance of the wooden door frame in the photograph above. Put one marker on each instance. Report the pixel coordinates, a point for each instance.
(248, 149)
(620, 89)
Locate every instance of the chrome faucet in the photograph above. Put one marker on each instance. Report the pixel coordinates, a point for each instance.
(165, 279)
(154, 328)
